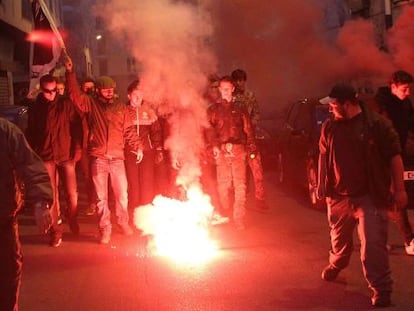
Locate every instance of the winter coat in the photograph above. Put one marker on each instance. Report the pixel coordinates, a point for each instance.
(110, 124)
(50, 129)
(20, 164)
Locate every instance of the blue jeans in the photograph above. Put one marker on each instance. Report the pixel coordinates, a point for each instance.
(64, 171)
(344, 214)
(101, 170)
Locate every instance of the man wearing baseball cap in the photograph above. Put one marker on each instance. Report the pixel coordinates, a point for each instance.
(360, 157)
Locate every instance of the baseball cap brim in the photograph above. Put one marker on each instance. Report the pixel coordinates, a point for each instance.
(326, 100)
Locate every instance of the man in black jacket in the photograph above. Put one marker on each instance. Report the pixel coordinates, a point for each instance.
(18, 164)
(232, 138)
(360, 156)
(50, 134)
(394, 103)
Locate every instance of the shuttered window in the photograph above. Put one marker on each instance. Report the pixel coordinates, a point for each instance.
(4, 88)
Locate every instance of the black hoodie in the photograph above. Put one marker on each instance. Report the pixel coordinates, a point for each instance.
(400, 112)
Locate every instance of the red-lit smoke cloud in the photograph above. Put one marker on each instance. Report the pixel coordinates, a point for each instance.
(170, 40)
(283, 46)
(401, 40)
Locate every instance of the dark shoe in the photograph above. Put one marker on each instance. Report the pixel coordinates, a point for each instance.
(330, 273)
(74, 226)
(381, 300)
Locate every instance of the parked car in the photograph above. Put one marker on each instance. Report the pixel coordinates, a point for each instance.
(266, 140)
(298, 147)
(16, 114)
(298, 150)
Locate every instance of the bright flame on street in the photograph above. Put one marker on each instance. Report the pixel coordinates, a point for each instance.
(180, 229)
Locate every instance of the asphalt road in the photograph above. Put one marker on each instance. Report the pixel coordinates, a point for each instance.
(275, 264)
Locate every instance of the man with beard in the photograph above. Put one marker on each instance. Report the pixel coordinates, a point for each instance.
(360, 157)
(110, 128)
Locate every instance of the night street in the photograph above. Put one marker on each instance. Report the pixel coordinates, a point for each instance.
(275, 264)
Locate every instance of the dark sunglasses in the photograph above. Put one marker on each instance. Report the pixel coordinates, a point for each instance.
(49, 91)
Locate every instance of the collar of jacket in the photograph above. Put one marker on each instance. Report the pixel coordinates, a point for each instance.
(105, 101)
(43, 100)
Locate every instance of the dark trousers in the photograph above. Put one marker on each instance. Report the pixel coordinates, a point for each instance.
(10, 264)
(344, 215)
(256, 169)
(140, 178)
(68, 174)
(85, 166)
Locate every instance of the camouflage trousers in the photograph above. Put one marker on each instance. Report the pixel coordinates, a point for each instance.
(231, 174)
(256, 168)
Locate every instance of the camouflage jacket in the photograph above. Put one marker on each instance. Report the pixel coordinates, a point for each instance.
(247, 99)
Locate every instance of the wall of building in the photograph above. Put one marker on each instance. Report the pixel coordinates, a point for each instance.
(16, 22)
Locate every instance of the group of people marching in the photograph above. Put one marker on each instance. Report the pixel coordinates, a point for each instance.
(120, 149)
(121, 152)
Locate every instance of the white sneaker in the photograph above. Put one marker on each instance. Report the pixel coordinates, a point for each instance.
(409, 248)
(217, 219)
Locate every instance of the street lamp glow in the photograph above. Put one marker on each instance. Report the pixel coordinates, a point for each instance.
(98, 37)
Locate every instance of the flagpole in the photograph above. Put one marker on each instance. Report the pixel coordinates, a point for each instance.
(40, 69)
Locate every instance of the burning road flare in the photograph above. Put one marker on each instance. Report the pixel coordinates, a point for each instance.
(179, 230)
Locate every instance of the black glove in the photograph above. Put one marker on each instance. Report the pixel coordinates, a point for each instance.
(42, 216)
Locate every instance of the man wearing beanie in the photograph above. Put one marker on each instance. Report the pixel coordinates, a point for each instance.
(110, 128)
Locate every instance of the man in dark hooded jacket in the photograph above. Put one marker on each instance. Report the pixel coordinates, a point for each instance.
(393, 102)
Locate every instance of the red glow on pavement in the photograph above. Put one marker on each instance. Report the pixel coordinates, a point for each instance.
(42, 37)
(180, 229)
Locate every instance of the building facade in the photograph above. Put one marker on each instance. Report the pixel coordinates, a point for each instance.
(96, 52)
(16, 21)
